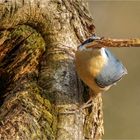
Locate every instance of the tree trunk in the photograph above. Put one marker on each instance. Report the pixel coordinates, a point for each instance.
(40, 92)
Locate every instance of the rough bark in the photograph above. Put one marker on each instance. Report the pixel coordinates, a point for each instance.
(39, 88)
(108, 42)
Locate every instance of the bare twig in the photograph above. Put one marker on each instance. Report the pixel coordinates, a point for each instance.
(108, 42)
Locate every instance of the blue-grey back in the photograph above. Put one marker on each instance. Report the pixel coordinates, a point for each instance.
(111, 72)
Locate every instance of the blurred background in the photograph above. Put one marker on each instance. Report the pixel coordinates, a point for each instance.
(121, 104)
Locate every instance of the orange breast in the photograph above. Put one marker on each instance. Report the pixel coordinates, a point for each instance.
(88, 65)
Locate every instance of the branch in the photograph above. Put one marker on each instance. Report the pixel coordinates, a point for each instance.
(108, 42)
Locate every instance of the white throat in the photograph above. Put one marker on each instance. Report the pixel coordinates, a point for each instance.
(103, 53)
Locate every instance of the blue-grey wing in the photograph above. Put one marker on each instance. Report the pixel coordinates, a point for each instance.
(111, 72)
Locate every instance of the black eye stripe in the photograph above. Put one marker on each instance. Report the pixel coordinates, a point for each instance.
(87, 41)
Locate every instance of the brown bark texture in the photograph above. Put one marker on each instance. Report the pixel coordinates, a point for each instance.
(108, 42)
(40, 93)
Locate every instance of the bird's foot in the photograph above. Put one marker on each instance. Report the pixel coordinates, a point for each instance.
(87, 104)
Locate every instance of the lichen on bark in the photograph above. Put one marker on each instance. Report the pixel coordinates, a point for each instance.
(41, 92)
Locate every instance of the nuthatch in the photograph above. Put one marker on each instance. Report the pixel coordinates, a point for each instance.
(98, 68)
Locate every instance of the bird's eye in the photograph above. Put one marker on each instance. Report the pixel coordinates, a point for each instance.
(87, 41)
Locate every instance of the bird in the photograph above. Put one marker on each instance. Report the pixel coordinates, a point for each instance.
(98, 68)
